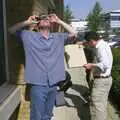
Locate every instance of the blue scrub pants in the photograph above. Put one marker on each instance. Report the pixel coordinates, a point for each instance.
(42, 102)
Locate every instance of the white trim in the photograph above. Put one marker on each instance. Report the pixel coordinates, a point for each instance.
(5, 39)
(116, 11)
(10, 104)
(114, 14)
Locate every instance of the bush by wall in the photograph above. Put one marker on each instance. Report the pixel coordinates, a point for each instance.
(115, 90)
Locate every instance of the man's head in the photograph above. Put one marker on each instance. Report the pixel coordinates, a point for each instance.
(43, 21)
(92, 38)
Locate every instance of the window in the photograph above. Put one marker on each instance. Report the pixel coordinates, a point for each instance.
(2, 47)
(115, 18)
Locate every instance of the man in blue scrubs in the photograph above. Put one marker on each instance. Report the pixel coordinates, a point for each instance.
(44, 52)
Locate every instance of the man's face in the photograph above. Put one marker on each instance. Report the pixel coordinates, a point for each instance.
(44, 23)
(92, 43)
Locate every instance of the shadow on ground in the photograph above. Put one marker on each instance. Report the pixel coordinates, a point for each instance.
(82, 108)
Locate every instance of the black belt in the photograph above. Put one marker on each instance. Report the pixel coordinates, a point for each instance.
(102, 76)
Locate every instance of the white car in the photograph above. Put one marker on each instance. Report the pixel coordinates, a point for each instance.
(112, 43)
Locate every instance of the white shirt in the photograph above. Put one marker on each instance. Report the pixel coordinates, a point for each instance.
(104, 58)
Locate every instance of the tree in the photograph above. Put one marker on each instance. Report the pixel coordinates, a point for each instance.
(94, 17)
(105, 23)
(68, 15)
(115, 90)
(116, 31)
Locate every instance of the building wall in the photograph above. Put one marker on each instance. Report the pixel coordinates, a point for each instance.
(79, 25)
(16, 11)
(59, 9)
(19, 10)
(115, 20)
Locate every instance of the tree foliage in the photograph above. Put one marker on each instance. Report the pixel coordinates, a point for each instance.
(104, 23)
(68, 15)
(115, 90)
(94, 17)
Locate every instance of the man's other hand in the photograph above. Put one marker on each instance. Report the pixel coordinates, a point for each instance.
(53, 18)
(31, 20)
(88, 66)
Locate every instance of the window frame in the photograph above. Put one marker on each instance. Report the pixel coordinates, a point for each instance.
(4, 42)
(9, 94)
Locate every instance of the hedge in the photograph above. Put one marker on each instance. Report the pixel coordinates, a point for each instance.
(115, 90)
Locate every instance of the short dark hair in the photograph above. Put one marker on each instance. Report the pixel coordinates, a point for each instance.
(91, 36)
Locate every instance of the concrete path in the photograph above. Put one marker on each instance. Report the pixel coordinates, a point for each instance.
(75, 109)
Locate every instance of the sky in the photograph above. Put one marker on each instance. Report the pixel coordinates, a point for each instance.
(81, 8)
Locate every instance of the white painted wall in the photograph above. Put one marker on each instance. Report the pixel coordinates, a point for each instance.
(79, 25)
(115, 23)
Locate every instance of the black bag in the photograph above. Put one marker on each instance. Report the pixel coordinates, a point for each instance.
(66, 84)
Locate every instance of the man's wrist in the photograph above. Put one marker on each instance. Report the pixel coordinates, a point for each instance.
(95, 65)
(26, 22)
(60, 22)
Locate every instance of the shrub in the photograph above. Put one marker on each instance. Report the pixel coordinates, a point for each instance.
(115, 90)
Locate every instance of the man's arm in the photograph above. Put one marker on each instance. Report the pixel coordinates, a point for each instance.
(68, 28)
(22, 24)
(17, 26)
(54, 19)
